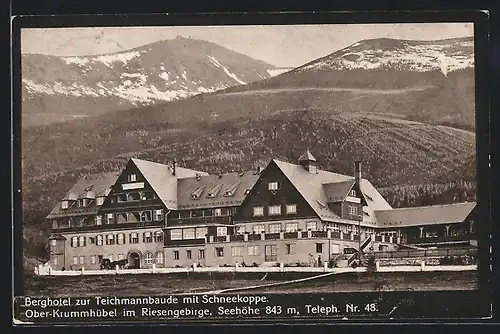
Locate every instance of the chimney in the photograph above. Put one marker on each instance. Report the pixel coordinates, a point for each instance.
(173, 167)
(357, 171)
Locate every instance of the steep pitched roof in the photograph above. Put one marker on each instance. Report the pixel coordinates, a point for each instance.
(99, 184)
(162, 180)
(425, 215)
(310, 186)
(210, 190)
(336, 192)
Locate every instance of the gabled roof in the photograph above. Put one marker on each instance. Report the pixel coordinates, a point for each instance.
(425, 215)
(337, 192)
(98, 183)
(162, 180)
(211, 190)
(310, 186)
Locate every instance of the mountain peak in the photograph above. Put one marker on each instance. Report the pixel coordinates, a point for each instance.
(385, 53)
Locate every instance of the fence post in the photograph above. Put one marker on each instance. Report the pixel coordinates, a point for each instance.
(282, 267)
(116, 269)
(82, 270)
(377, 265)
(422, 265)
(153, 268)
(325, 266)
(50, 270)
(237, 265)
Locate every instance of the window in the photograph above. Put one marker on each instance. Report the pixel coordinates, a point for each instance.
(188, 254)
(188, 233)
(147, 237)
(218, 212)
(176, 255)
(110, 239)
(92, 259)
(110, 218)
(201, 232)
(353, 210)
(335, 227)
(311, 226)
(259, 228)
(176, 234)
(348, 228)
(158, 236)
(221, 231)
(53, 242)
(75, 260)
(291, 227)
(120, 239)
(273, 186)
(148, 258)
(145, 216)
(219, 251)
(64, 205)
(319, 248)
(110, 257)
(288, 249)
(274, 228)
(240, 229)
(121, 257)
(99, 258)
(82, 259)
(99, 201)
(74, 241)
(158, 215)
(291, 209)
(352, 193)
(258, 211)
(54, 261)
(81, 241)
(98, 220)
(134, 238)
(253, 250)
(159, 258)
(237, 251)
(201, 253)
(99, 240)
(275, 210)
(132, 178)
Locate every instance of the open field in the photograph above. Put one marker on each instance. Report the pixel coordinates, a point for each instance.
(152, 284)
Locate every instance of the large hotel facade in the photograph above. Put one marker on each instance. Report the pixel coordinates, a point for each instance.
(151, 213)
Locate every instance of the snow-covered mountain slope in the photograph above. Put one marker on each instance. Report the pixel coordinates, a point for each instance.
(421, 56)
(158, 72)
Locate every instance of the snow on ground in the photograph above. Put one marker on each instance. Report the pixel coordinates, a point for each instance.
(214, 61)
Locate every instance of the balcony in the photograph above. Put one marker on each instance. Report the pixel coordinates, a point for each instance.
(291, 235)
(252, 237)
(319, 234)
(93, 227)
(237, 237)
(199, 220)
(272, 236)
(441, 239)
(183, 242)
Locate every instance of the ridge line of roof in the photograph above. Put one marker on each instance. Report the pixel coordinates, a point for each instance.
(425, 206)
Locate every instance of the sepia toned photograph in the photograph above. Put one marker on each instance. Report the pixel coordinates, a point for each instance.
(287, 159)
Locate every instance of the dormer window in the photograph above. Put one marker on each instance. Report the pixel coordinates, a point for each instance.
(352, 193)
(214, 191)
(232, 189)
(64, 204)
(273, 186)
(99, 200)
(82, 202)
(197, 193)
(132, 177)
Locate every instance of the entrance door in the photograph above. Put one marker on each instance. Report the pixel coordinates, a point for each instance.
(271, 253)
(134, 261)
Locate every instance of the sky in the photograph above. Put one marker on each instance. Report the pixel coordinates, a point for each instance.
(279, 45)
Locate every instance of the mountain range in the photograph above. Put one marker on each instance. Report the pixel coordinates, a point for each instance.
(390, 103)
(60, 88)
